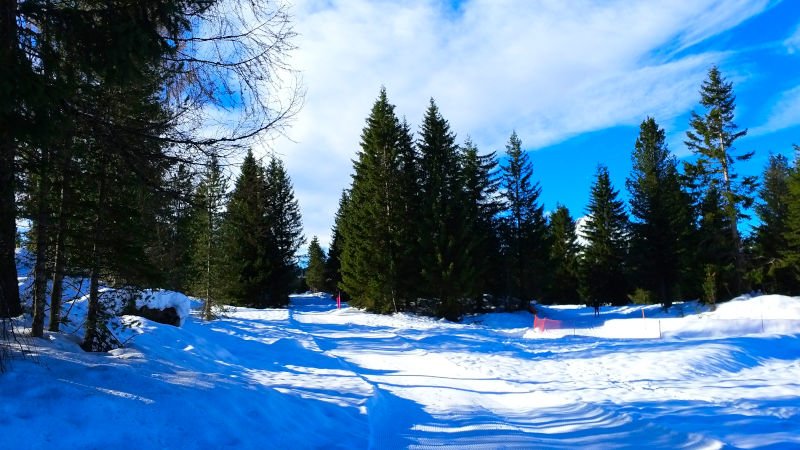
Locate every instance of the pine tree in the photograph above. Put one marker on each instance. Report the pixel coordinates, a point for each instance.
(315, 272)
(370, 221)
(57, 59)
(285, 232)
(524, 226)
(63, 206)
(770, 236)
(173, 247)
(245, 234)
(124, 176)
(564, 252)
(481, 187)
(333, 265)
(445, 246)
(206, 233)
(606, 230)
(715, 247)
(50, 59)
(13, 69)
(711, 139)
(790, 255)
(408, 229)
(661, 212)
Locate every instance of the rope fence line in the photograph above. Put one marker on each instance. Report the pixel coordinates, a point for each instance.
(654, 328)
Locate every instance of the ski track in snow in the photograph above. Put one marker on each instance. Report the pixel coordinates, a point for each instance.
(316, 377)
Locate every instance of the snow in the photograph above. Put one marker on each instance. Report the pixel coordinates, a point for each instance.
(313, 376)
(161, 299)
(772, 307)
(739, 317)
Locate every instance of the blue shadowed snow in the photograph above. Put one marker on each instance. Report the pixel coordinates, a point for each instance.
(313, 376)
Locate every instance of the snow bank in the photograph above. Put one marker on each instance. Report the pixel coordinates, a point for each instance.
(159, 299)
(765, 306)
(767, 314)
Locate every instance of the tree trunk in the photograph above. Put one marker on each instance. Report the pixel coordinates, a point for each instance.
(40, 267)
(666, 296)
(10, 305)
(207, 305)
(91, 335)
(59, 257)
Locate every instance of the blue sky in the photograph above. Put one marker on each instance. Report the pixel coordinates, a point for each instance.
(574, 79)
(764, 71)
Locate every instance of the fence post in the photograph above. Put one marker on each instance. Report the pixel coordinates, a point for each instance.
(659, 329)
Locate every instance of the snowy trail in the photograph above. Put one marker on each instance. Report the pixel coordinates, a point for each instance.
(316, 377)
(477, 385)
(474, 389)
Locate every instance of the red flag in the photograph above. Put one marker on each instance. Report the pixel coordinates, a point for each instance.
(339, 300)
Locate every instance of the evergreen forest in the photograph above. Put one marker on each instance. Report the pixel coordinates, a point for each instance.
(119, 122)
(432, 226)
(113, 149)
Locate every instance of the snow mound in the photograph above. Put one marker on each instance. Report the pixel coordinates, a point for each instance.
(742, 316)
(159, 299)
(765, 306)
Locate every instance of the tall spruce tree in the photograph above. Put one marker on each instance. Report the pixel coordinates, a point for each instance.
(606, 232)
(333, 265)
(481, 187)
(13, 70)
(408, 229)
(715, 252)
(285, 232)
(125, 166)
(790, 255)
(206, 236)
(245, 236)
(63, 207)
(771, 273)
(315, 272)
(564, 253)
(711, 139)
(170, 246)
(524, 226)
(446, 268)
(370, 222)
(662, 216)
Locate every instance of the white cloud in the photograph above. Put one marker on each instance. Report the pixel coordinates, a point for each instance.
(549, 69)
(792, 43)
(785, 113)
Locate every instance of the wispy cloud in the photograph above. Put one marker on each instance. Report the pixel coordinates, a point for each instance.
(549, 69)
(792, 43)
(785, 113)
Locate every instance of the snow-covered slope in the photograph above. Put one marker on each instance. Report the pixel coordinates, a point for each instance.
(769, 314)
(313, 376)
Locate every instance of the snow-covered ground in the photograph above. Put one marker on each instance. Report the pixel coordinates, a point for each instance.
(313, 376)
